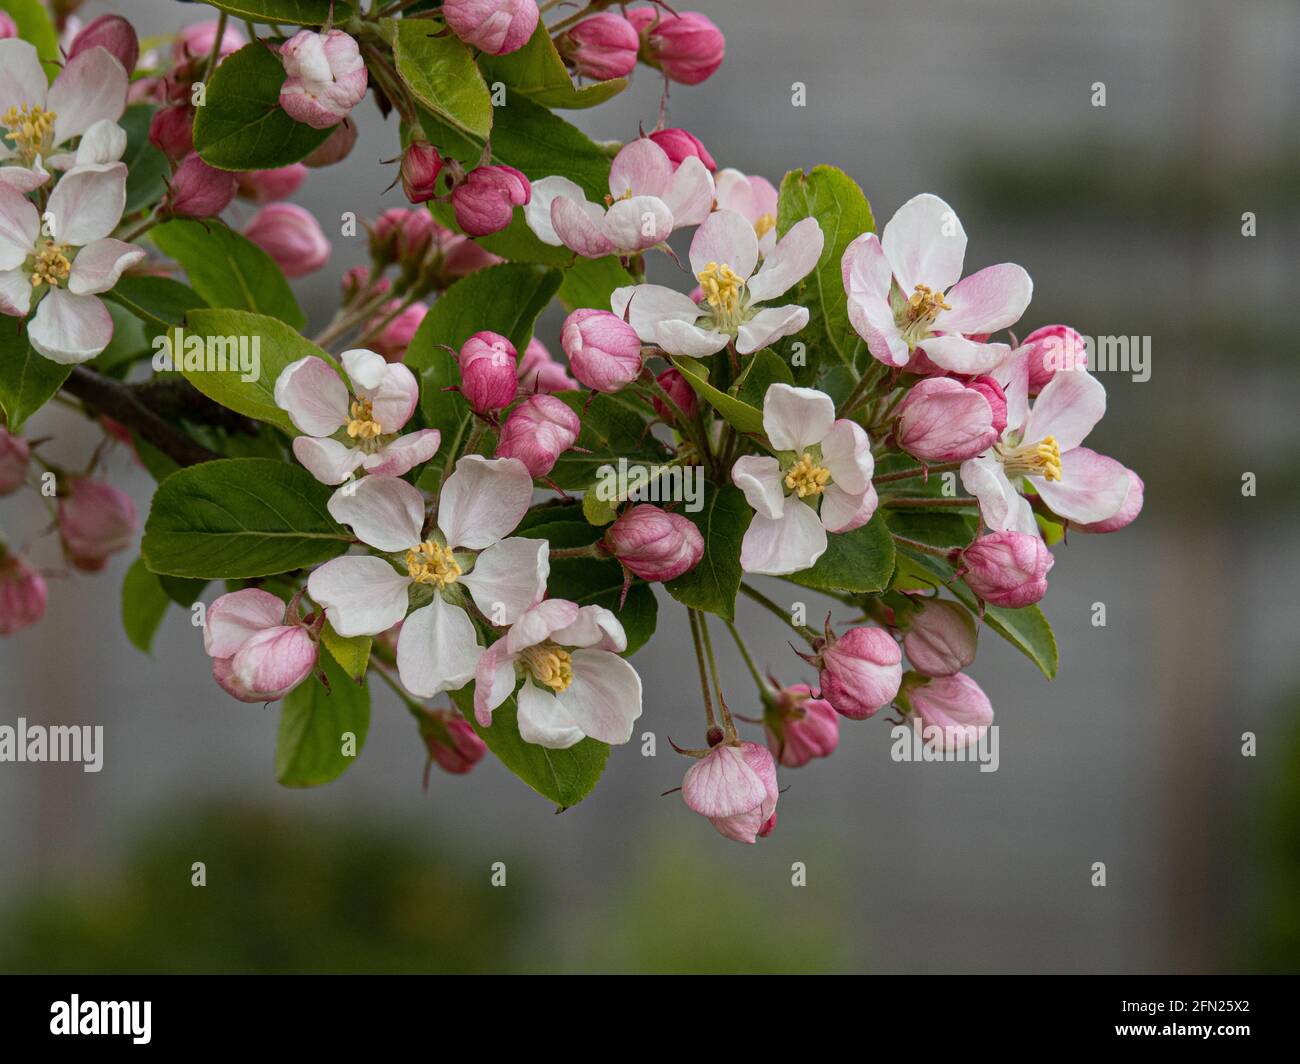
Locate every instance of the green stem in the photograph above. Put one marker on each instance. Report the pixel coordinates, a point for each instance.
(774, 609)
(749, 661)
(924, 548)
(925, 502)
(704, 678)
(215, 54)
(916, 471)
(868, 381)
(729, 726)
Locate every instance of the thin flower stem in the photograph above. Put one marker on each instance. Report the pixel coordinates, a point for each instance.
(749, 661)
(916, 471)
(924, 548)
(729, 726)
(925, 502)
(704, 678)
(860, 390)
(412, 706)
(776, 610)
(215, 54)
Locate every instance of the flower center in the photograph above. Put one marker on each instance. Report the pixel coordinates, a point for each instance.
(764, 224)
(432, 563)
(1041, 459)
(550, 665)
(51, 265)
(30, 129)
(722, 287)
(916, 315)
(363, 425)
(806, 477)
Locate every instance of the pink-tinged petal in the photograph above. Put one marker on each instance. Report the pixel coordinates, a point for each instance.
(759, 477)
(23, 180)
(360, 595)
(641, 168)
(366, 369)
(644, 306)
(796, 418)
(843, 511)
(925, 244)
(576, 228)
(394, 398)
(398, 458)
(91, 88)
(1067, 409)
(15, 293)
(544, 721)
(99, 265)
(1092, 487)
(787, 544)
(604, 699)
(70, 329)
(494, 681)
(1013, 376)
(22, 81)
(104, 142)
(733, 191)
(769, 325)
(1129, 508)
(794, 258)
(868, 278)
(723, 784)
(846, 452)
(483, 500)
(385, 512)
(329, 461)
(685, 338)
(508, 578)
(725, 238)
(985, 478)
(275, 661)
(957, 354)
(596, 628)
(537, 211)
(437, 650)
(690, 193)
(540, 623)
(987, 301)
(235, 617)
(313, 395)
(87, 203)
(225, 677)
(638, 223)
(20, 225)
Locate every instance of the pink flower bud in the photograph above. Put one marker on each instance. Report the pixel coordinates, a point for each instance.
(604, 351)
(452, 743)
(459, 256)
(8, 29)
(537, 432)
(1053, 349)
(198, 190)
(171, 130)
(940, 638)
(601, 47)
(995, 397)
(654, 544)
(860, 672)
(421, 165)
(95, 520)
(259, 653)
(735, 788)
(1007, 568)
(291, 236)
(22, 593)
(196, 41)
(1123, 517)
(326, 77)
(539, 372)
(495, 26)
(395, 337)
(337, 147)
(402, 235)
(489, 375)
(485, 201)
(688, 48)
(357, 279)
(112, 33)
(679, 145)
(954, 705)
(681, 393)
(941, 420)
(267, 186)
(800, 726)
(15, 454)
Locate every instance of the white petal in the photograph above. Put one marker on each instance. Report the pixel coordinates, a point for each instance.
(960, 355)
(725, 238)
(329, 461)
(644, 306)
(437, 649)
(99, 265)
(537, 212)
(788, 544)
(483, 500)
(361, 595)
(638, 223)
(604, 698)
(1092, 487)
(580, 226)
(1067, 409)
(103, 142)
(759, 477)
(540, 623)
(843, 511)
(1013, 375)
(385, 512)
(641, 168)
(690, 193)
(22, 179)
(868, 280)
(233, 618)
(15, 292)
(544, 721)
(769, 325)
(925, 244)
(20, 225)
(509, 577)
(685, 338)
(595, 627)
(365, 368)
(313, 395)
(794, 257)
(393, 399)
(494, 681)
(70, 329)
(91, 88)
(87, 203)
(846, 452)
(987, 301)
(22, 81)
(403, 454)
(985, 478)
(796, 418)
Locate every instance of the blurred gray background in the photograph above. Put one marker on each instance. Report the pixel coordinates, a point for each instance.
(1128, 217)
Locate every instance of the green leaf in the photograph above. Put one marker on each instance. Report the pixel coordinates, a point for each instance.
(316, 725)
(240, 518)
(143, 604)
(537, 71)
(761, 372)
(566, 777)
(857, 561)
(739, 414)
(159, 302)
(227, 269)
(27, 379)
(834, 199)
(712, 585)
(441, 75)
(35, 26)
(351, 652)
(286, 12)
(129, 342)
(589, 581)
(591, 282)
(612, 427)
(242, 125)
(147, 169)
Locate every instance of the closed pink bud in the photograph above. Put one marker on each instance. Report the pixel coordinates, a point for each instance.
(679, 391)
(22, 593)
(171, 130)
(654, 544)
(459, 256)
(688, 48)
(1124, 516)
(485, 201)
(95, 520)
(1007, 568)
(995, 397)
(1053, 349)
(800, 726)
(537, 432)
(198, 190)
(679, 145)
(489, 374)
(860, 672)
(940, 638)
(267, 186)
(495, 26)
(291, 236)
(337, 147)
(402, 235)
(453, 745)
(735, 788)
(604, 351)
(8, 29)
(395, 336)
(112, 33)
(15, 454)
(954, 706)
(539, 372)
(196, 41)
(941, 420)
(601, 47)
(326, 77)
(259, 652)
(421, 165)
(357, 280)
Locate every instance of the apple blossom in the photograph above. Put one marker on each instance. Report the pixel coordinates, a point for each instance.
(604, 351)
(1126, 514)
(941, 420)
(939, 637)
(402, 235)
(394, 327)
(860, 671)
(540, 372)
(680, 145)
(95, 520)
(267, 186)
(421, 165)
(291, 236)
(537, 432)
(734, 786)
(326, 77)
(601, 47)
(752, 197)
(484, 202)
(688, 47)
(452, 742)
(489, 375)
(198, 190)
(15, 457)
(800, 726)
(495, 26)
(1051, 350)
(1007, 569)
(22, 593)
(259, 648)
(955, 706)
(654, 544)
(679, 391)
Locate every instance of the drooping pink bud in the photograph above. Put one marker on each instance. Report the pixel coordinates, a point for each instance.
(196, 41)
(1053, 349)
(494, 26)
(953, 705)
(941, 420)
(540, 372)
(800, 726)
(337, 147)
(198, 190)
(995, 397)
(112, 33)
(1007, 568)
(171, 130)
(604, 351)
(15, 455)
(679, 145)
(326, 77)
(395, 337)
(679, 391)
(8, 29)
(489, 374)
(537, 432)
(22, 593)
(940, 637)
(402, 235)
(654, 544)
(421, 165)
(259, 652)
(291, 236)
(601, 47)
(485, 201)
(458, 257)
(267, 186)
(453, 745)
(1124, 516)
(688, 48)
(735, 788)
(95, 520)
(860, 672)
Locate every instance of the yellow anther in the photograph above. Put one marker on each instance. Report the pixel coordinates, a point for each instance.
(722, 287)
(764, 224)
(806, 477)
(550, 665)
(30, 129)
(363, 425)
(432, 563)
(924, 304)
(1041, 459)
(51, 265)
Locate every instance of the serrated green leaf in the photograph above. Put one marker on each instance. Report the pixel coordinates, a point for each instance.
(739, 414)
(27, 379)
(857, 561)
(712, 585)
(286, 12)
(591, 282)
(143, 604)
(537, 71)
(442, 76)
(317, 724)
(147, 169)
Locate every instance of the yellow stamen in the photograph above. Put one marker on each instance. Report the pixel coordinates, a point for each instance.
(30, 129)
(432, 563)
(722, 287)
(51, 265)
(806, 477)
(764, 224)
(924, 304)
(363, 425)
(550, 665)
(1041, 459)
